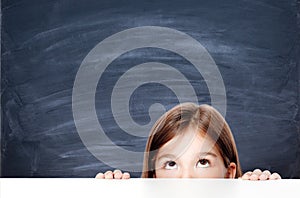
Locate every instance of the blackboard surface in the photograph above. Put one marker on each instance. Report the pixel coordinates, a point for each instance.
(255, 45)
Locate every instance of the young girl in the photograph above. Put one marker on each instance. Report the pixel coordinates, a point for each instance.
(191, 141)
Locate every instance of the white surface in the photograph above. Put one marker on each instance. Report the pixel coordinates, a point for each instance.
(169, 188)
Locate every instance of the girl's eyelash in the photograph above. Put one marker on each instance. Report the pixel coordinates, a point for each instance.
(206, 160)
(198, 161)
(202, 161)
(167, 162)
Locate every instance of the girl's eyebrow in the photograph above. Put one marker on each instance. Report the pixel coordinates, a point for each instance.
(171, 156)
(166, 156)
(208, 153)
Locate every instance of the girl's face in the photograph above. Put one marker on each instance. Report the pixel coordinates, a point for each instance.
(191, 156)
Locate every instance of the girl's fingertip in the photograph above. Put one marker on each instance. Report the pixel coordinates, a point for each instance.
(108, 175)
(263, 177)
(126, 175)
(245, 177)
(117, 171)
(266, 172)
(99, 176)
(253, 177)
(275, 176)
(257, 171)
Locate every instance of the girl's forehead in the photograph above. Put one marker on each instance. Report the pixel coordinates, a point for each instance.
(190, 140)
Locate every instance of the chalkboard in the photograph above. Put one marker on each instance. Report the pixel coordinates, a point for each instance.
(255, 45)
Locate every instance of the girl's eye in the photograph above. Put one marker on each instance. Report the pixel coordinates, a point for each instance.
(203, 163)
(170, 165)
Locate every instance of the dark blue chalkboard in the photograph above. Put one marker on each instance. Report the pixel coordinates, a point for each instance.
(255, 45)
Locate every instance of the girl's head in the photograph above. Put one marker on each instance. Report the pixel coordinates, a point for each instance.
(191, 141)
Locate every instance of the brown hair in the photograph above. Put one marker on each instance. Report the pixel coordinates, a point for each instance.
(205, 118)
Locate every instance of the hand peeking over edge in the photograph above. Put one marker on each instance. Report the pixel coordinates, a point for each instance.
(257, 174)
(116, 174)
